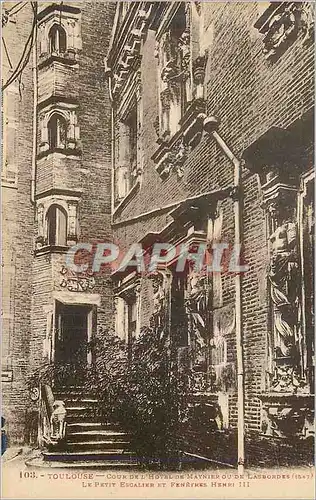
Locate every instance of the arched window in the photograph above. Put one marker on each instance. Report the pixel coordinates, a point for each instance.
(57, 39)
(57, 131)
(56, 223)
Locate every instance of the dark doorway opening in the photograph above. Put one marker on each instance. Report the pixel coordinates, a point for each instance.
(71, 343)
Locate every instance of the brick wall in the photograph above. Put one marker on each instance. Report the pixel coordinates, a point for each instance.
(249, 95)
(17, 223)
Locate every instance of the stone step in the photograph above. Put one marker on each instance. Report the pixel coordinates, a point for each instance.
(79, 426)
(65, 393)
(84, 464)
(79, 406)
(75, 402)
(105, 444)
(78, 418)
(80, 412)
(111, 454)
(91, 443)
(95, 435)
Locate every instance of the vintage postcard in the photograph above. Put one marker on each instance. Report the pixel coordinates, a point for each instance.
(157, 249)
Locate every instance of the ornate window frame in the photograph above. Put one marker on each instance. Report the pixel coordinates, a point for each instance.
(68, 112)
(212, 383)
(68, 18)
(123, 67)
(306, 235)
(70, 205)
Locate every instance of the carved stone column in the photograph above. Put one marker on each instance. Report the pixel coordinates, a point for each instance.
(287, 399)
(286, 408)
(280, 200)
(161, 283)
(198, 308)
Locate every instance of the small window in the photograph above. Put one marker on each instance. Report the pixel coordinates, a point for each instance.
(127, 158)
(126, 317)
(57, 132)
(131, 125)
(57, 39)
(132, 318)
(56, 220)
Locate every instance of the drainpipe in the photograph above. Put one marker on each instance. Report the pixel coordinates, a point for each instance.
(35, 98)
(210, 126)
(108, 74)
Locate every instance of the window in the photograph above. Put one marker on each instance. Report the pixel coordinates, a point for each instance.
(10, 141)
(56, 223)
(57, 39)
(127, 157)
(57, 132)
(132, 318)
(131, 125)
(127, 313)
(59, 129)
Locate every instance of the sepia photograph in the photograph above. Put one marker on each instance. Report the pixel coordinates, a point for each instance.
(157, 249)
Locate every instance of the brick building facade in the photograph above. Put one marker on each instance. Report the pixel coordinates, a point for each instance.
(137, 154)
(56, 188)
(17, 223)
(171, 68)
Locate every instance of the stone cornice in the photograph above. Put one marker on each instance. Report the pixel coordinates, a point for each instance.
(53, 100)
(125, 51)
(55, 7)
(69, 193)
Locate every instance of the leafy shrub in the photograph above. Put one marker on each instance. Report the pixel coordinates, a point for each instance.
(56, 374)
(140, 387)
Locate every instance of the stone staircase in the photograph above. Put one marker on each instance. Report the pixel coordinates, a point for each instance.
(90, 443)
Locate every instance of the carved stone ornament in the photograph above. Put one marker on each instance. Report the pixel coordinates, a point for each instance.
(173, 161)
(170, 73)
(283, 276)
(76, 282)
(198, 69)
(197, 306)
(281, 25)
(165, 98)
(198, 6)
(184, 45)
(5, 17)
(286, 418)
(307, 21)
